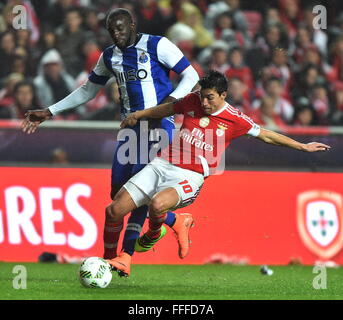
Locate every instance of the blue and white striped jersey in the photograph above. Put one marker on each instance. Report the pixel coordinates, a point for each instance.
(141, 71)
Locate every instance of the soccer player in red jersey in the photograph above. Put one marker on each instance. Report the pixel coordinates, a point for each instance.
(174, 179)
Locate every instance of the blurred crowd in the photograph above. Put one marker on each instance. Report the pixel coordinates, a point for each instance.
(281, 70)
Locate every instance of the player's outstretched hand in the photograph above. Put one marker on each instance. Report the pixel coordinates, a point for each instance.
(316, 146)
(33, 119)
(129, 121)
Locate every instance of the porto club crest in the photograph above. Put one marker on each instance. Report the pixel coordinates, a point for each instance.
(320, 222)
(143, 57)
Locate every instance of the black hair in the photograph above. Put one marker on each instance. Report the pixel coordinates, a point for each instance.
(272, 79)
(302, 104)
(224, 14)
(74, 9)
(214, 80)
(118, 12)
(27, 83)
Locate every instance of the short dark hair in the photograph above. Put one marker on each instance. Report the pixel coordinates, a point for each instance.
(214, 80)
(272, 79)
(74, 9)
(118, 12)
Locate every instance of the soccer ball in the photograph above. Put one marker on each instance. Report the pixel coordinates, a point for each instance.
(95, 272)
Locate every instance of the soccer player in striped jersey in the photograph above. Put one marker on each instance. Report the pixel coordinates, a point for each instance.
(140, 63)
(174, 179)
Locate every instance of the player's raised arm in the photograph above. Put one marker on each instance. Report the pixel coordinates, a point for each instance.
(81, 95)
(160, 111)
(278, 139)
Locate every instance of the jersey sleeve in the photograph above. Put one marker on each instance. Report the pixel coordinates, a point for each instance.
(183, 104)
(100, 74)
(245, 125)
(171, 56)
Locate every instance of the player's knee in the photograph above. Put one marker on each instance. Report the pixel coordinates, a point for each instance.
(114, 212)
(156, 206)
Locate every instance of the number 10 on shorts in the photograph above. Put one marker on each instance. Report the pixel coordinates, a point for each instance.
(186, 186)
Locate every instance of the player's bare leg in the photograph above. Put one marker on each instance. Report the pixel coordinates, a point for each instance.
(160, 203)
(112, 229)
(121, 205)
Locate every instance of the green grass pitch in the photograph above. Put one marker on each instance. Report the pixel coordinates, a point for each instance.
(174, 282)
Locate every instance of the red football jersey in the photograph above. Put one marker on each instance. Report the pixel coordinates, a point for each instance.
(203, 138)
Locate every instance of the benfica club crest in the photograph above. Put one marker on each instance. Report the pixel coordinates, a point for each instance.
(320, 222)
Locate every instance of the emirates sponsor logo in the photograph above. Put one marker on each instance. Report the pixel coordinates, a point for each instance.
(198, 142)
(196, 138)
(320, 222)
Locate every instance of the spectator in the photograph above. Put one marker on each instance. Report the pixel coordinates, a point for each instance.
(24, 100)
(205, 56)
(176, 4)
(95, 30)
(23, 39)
(282, 107)
(321, 103)
(279, 68)
(238, 16)
(219, 60)
(301, 43)
(52, 83)
(91, 53)
(47, 41)
(337, 60)
(7, 47)
(306, 79)
(21, 63)
(190, 16)
(260, 55)
(57, 12)
(214, 9)
(291, 15)
(336, 117)
(272, 38)
(180, 32)
(266, 115)
(313, 56)
(224, 29)
(6, 93)
(151, 19)
(237, 68)
(304, 113)
(238, 95)
(70, 39)
(59, 156)
(272, 16)
(335, 30)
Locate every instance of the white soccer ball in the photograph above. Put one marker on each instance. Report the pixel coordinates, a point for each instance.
(95, 272)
